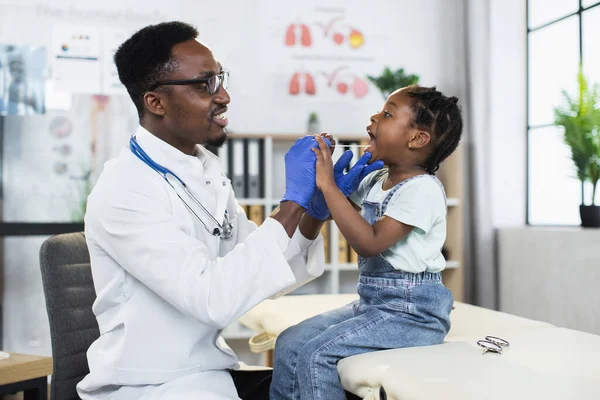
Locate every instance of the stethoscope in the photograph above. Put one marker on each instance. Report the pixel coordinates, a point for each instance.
(224, 231)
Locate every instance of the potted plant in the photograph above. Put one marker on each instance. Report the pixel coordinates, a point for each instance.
(580, 118)
(313, 123)
(390, 80)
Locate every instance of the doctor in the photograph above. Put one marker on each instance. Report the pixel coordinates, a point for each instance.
(173, 256)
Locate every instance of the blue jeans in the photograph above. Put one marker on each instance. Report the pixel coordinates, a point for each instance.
(391, 313)
(395, 309)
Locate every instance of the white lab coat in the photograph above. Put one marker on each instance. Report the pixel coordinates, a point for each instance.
(166, 287)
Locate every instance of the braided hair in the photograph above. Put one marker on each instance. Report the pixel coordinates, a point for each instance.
(441, 117)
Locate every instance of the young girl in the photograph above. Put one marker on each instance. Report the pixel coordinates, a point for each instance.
(398, 236)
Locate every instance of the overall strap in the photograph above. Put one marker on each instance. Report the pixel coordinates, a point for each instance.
(378, 176)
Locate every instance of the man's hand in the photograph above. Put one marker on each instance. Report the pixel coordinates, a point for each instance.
(347, 183)
(300, 171)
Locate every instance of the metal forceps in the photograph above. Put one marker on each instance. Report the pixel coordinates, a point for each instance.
(493, 344)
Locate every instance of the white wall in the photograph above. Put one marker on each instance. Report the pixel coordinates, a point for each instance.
(496, 137)
(507, 126)
(425, 37)
(551, 275)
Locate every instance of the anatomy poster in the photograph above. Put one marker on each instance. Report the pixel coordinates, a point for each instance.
(76, 58)
(111, 40)
(82, 59)
(317, 50)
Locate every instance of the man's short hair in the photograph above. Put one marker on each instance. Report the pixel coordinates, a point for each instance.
(146, 57)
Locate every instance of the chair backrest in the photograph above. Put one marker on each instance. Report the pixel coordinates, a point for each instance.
(69, 292)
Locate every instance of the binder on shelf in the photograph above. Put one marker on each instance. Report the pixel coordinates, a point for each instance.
(326, 241)
(236, 162)
(342, 249)
(337, 152)
(352, 145)
(254, 176)
(255, 214)
(223, 154)
(342, 150)
(352, 256)
(355, 151)
(363, 143)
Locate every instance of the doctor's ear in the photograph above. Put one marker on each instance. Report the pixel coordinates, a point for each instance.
(154, 103)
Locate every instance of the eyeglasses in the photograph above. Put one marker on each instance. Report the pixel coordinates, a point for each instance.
(212, 84)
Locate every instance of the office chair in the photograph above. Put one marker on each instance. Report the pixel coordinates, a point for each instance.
(69, 293)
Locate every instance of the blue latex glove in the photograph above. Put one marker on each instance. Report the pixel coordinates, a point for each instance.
(300, 171)
(347, 183)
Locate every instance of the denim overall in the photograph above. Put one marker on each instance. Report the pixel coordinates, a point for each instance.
(420, 295)
(396, 309)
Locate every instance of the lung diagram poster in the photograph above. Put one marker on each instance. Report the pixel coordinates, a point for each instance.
(317, 50)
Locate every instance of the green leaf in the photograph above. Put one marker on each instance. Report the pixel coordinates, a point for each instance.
(580, 119)
(389, 80)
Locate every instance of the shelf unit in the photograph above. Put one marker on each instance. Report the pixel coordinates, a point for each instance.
(452, 175)
(341, 277)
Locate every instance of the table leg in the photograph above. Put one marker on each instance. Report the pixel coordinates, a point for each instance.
(38, 391)
(33, 389)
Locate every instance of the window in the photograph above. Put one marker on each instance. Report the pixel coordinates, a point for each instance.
(560, 35)
(551, 183)
(544, 11)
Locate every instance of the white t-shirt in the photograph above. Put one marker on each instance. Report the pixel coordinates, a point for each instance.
(421, 203)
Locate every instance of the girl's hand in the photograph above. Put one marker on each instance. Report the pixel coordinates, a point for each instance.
(324, 165)
(331, 140)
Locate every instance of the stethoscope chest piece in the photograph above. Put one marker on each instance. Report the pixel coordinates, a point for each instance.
(224, 231)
